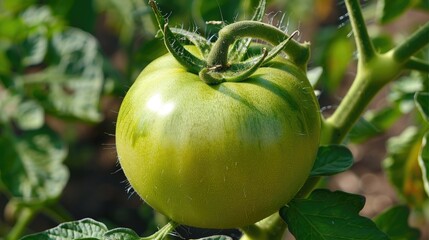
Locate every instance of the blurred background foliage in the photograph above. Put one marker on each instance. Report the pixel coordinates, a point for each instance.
(65, 65)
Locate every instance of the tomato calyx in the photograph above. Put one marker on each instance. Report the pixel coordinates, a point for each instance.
(223, 60)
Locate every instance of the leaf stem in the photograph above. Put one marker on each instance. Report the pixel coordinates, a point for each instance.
(218, 56)
(412, 45)
(363, 42)
(25, 216)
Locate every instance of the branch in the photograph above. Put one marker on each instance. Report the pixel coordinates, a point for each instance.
(364, 44)
(417, 64)
(412, 45)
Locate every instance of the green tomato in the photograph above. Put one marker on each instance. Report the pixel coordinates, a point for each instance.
(220, 156)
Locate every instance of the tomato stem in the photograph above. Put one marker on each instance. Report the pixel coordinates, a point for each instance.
(364, 44)
(26, 214)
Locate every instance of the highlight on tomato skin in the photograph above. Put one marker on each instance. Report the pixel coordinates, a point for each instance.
(218, 156)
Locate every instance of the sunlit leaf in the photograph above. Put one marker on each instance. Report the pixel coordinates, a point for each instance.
(71, 86)
(424, 162)
(422, 102)
(8, 105)
(35, 47)
(35, 16)
(31, 168)
(394, 222)
(330, 215)
(121, 234)
(402, 92)
(402, 166)
(86, 228)
(29, 115)
(216, 238)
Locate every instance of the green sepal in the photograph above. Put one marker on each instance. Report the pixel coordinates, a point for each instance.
(237, 72)
(214, 76)
(183, 56)
(200, 42)
(239, 49)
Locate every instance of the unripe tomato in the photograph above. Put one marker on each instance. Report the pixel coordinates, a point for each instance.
(218, 156)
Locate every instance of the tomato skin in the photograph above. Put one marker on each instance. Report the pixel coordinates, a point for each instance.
(221, 156)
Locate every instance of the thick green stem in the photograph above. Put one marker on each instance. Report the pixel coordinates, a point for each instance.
(25, 216)
(412, 45)
(350, 109)
(417, 64)
(363, 41)
(271, 228)
(297, 52)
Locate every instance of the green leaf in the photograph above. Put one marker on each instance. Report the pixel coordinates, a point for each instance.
(334, 52)
(422, 102)
(402, 165)
(374, 123)
(424, 162)
(330, 215)
(121, 234)
(35, 47)
(31, 168)
(394, 222)
(331, 160)
(71, 87)
(29, 115)
(36, 16)
(9, 103)
(217, 237)
(83, 229)
(403, 91)
(200, 42)
(183, 56)
(390, 10)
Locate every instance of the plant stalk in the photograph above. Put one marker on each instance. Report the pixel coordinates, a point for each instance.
(417, 64)
(364, 44)
(412, 45)
(25, 216)
(270, 228)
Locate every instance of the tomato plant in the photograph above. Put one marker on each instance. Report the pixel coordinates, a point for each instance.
(218, 132)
